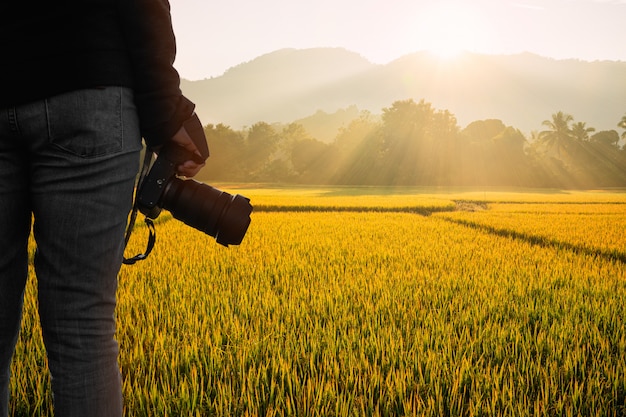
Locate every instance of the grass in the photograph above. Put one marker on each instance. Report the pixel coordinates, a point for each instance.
(515, 309)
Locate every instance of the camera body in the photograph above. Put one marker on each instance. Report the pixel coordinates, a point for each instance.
(224, 216)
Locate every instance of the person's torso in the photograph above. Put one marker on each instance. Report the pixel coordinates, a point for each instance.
(51, 47)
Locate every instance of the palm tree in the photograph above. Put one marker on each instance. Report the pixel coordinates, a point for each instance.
(581, 132)
(622, 124)
(559, 133)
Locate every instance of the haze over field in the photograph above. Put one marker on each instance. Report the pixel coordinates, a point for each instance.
(522, 90)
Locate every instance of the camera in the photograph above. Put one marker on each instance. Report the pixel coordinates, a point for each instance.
(217, 213)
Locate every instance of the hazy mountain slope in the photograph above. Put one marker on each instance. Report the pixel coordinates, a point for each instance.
(278, 87)
(521, 90)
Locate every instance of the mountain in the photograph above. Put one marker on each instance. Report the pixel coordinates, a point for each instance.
(522, 90)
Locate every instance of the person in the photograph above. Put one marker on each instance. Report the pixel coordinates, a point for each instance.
(82, 82)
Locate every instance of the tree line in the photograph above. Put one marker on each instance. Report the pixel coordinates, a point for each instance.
(412, 143)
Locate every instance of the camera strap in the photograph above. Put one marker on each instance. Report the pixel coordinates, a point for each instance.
(133, 217)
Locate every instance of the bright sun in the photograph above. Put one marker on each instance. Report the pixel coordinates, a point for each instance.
(448, 29)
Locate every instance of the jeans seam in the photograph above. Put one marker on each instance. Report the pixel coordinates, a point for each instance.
(120, 110)
(13, 123)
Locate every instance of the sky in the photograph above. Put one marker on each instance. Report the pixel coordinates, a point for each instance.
(215, 35)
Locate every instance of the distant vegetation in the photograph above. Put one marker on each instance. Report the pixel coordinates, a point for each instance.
(521, 90)
(413, 143)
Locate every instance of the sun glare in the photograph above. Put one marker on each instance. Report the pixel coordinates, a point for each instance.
(448, 29)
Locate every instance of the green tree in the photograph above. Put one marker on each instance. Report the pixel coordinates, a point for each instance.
(443, 127)
(581, 132)
(483, 130)
(309, 158)
(606, 138)
(281, 166)
(407, 120)
(622, 124)
(405, 152)
(227, 148)
(604, 164)
(261, 143)
(292, 133)
(356, 149)
(350, 137)
(509, 163)
(559, 133)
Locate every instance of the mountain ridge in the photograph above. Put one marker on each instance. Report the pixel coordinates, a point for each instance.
(522, 90)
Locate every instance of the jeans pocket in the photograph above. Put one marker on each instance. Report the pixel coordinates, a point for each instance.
(86, 123)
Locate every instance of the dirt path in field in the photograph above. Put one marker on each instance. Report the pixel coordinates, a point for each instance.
(463, 205)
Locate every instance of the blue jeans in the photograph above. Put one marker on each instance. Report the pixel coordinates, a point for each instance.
(69, 163)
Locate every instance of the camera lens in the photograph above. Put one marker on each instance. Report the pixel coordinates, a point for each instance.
(224, 216)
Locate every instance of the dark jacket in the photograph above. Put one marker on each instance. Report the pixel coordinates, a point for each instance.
(54, 46)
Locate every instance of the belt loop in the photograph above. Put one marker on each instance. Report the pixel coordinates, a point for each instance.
(12, 116)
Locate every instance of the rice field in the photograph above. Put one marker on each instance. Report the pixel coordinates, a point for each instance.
(373, 302)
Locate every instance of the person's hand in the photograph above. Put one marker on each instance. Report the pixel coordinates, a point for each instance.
(188, 168)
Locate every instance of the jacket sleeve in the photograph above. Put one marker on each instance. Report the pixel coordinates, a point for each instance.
(151, 45)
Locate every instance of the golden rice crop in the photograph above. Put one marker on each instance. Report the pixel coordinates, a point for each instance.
(375, 313)
(598, 229)
(347, 199)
